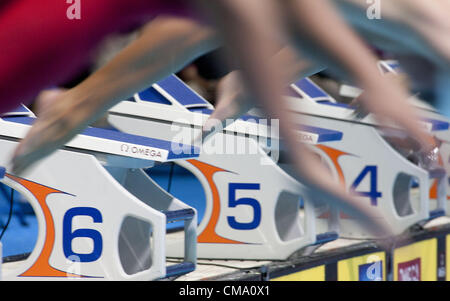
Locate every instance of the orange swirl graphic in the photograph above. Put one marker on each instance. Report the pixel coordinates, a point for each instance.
(434, 188)
(41, 267)
(209, 234)
(334, 155)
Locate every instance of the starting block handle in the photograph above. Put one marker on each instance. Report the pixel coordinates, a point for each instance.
(436, 213)
(180, 269)
(190, 254)
(177, 215)
(326, 237)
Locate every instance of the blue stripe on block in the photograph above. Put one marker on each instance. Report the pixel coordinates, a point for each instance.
(181, 92)
(251, 118)
(395, 66)
(437, 125)
(325, 135)
(151, 95)
(22, 120)
(310, 88)
(183, 150)
(19, 110)
(201, 110)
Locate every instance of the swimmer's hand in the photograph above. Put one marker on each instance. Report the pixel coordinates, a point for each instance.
(233, 101)
(57, 124)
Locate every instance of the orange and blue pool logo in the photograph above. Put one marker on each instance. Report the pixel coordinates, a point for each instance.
(41, 267)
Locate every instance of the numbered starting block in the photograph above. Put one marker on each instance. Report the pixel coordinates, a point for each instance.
(100, 217)
(442, 135)
(252, 205)
(433, 121)
(365, 162)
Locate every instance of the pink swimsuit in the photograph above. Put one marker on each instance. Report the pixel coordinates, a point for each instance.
(42, 43)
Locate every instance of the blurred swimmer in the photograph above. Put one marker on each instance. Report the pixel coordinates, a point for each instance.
(253, 36)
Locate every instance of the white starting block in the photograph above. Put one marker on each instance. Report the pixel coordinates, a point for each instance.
(100, 217)
(434, 121)
(365, 162)
(429, 112)
(252, 205)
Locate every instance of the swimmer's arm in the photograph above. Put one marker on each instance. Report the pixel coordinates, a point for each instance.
(165, 46)
(318, 32)
(343, 51)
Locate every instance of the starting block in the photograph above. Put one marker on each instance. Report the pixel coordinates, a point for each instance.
(360, 158)
(430, 113)
(365, 162)
(100, 217)
(252, 205)
(433, 121)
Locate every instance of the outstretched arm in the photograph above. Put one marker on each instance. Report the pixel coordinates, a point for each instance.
(345, 53)
(309, 24)
(166, 45)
